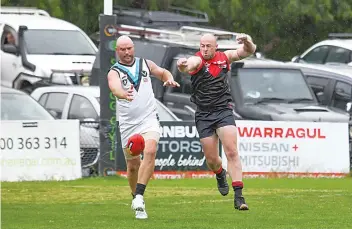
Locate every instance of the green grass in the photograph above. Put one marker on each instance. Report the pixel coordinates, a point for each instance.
(104, 203)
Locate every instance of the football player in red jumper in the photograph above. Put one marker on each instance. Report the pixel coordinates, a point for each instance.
(214, 115)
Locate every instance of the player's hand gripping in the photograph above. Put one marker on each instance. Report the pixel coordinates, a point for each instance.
(129, 94)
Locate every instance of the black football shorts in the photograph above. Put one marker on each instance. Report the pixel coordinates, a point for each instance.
(208, 122)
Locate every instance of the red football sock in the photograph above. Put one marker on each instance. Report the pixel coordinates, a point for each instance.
(218, 171)
(237, 184)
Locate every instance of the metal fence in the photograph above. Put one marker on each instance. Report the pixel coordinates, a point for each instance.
(89, 145)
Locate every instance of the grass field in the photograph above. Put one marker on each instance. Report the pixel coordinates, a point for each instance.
(104, 203)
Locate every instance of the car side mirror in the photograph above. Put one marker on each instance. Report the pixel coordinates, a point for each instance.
(348, 107)
(12, 49)
(295, 59)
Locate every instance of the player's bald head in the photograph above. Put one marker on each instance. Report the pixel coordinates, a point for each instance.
(124, 41)
(208, 46)
(208, 38)
(125, 49)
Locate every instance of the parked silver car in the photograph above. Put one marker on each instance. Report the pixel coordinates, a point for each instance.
(83, 103)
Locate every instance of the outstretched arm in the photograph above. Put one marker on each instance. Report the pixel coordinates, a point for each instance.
(116, 87)
(247, 49)
(189, 65)
(162, 74)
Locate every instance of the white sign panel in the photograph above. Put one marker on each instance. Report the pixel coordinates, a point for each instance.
(293, 147)
(40, 150)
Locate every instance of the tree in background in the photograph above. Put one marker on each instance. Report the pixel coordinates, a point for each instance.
(281, 28)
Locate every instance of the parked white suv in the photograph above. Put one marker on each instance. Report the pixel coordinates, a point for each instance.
(37, 49)
(337, 49)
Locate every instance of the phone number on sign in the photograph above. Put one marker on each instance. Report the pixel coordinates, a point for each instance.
(33, 143)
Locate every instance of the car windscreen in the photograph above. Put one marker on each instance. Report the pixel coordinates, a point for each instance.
(284, 84)
(57, 42)
(22, 107)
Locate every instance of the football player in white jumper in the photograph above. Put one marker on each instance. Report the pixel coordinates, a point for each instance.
(129, 80)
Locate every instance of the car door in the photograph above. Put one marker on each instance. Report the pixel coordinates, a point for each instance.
(177, 99)
(338, 55)
(321, 87)
(11, 64)
(54, 102)
(42, 99)
(316, 55)
(81, 108)
(342, 95)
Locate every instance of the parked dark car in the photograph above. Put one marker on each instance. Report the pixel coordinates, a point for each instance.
(270, 90)
(331, 83)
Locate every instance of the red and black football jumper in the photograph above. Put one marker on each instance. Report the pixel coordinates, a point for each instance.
(211, 94)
